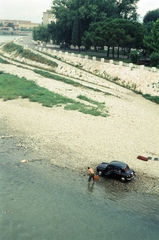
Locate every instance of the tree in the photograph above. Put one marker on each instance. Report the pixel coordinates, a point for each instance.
(149, 19)
(127, 9)
(52, 31)
(10, 24)
(87, 40)
(154, 59)
(81, 13)
(63, 26)
(151, 16)
(75, 32)
(151, 42)
(58, 32)
(134, 35)
(92, 36)
(41, 33)
(134, 56)
(115, 33)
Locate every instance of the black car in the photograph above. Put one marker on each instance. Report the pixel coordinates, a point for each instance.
(116, 169)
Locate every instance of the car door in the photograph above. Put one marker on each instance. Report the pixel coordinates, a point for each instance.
(109, 170)
(117, 170)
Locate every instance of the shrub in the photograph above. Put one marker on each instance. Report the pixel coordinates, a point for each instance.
(26, 53)
(154, 59)
(134, 56)
(3, 61)
(154, 99)
(11, 47)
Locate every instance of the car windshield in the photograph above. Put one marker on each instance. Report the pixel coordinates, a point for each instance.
(127, 168)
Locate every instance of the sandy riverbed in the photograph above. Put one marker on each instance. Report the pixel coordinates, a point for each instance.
(75, 140)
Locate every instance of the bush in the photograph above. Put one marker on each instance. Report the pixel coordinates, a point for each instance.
(26, 53)
(154, 99)
(3, 61)
(11, 47)
(154, 59)
(134, 56)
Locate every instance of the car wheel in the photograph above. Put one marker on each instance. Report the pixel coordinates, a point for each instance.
(122, 179)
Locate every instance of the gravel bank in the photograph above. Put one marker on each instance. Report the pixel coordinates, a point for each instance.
(74, 140)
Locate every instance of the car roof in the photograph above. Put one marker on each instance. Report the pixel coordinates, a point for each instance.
(118, 164)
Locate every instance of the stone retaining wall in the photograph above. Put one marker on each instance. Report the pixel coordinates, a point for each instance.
(138, 78)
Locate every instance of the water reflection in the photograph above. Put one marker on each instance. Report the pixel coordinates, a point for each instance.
(90, 188)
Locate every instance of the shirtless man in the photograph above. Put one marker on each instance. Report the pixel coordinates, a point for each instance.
(91, 174)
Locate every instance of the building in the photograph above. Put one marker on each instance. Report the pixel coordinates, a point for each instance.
(18, 24)
(48, 17)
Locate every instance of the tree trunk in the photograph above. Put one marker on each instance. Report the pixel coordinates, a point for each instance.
(95, 47)
(129, 52)
(124, 51)
(118, 53)
(108, 51)
(113, 52)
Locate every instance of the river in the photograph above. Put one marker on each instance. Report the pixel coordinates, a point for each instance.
(41, 201)
(8, 38)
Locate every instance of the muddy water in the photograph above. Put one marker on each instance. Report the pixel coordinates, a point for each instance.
(41, 201)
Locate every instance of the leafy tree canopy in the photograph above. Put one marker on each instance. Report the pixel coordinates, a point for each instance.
(41, 33)
(10, 24)
(151, 42)
(149, 19)
(114, 32)
(77, 15)
(151, 16)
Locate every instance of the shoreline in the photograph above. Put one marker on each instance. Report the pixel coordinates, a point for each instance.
(142, 183)
(74, 140)
(68, 138)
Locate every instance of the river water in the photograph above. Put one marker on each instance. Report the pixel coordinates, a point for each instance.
(41, 201)
(8, 38)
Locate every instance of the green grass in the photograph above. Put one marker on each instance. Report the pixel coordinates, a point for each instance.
(98, 109)
(3, 61)
(26, 53)
(13, 87)
(56, 77)
(90, 100)
(65, 80)
(95, 111)
(154, 99)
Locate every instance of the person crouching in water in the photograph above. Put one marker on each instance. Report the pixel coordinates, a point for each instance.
(91, 174)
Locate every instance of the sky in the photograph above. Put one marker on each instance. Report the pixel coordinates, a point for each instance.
(32, 10)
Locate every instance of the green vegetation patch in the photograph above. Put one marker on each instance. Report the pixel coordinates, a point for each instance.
(90, 100)
(13, 87)
(26, 53)
(56, 77)
(154, 99)
(65, 80)
(95, 111)
(12, 47)
(3, 61)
